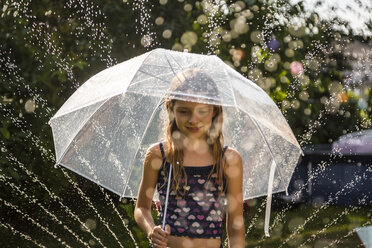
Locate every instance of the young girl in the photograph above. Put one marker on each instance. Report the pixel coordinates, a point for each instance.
(206, 183)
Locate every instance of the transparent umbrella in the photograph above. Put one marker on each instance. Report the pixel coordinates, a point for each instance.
(365, 235)
(104, 129)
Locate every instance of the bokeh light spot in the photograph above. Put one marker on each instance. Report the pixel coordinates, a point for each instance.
(177, 47)
(202, 19)
(189, 38)
(187, 7)
(30, 106)
(289, 52)
(296, 67)
(159, 21)
(256, 36)
(163, 2)
(167, 34)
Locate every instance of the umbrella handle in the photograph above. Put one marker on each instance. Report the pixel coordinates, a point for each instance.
(166, 197)
(269, 198)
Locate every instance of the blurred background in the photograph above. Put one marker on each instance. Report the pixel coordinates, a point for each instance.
(313, 58)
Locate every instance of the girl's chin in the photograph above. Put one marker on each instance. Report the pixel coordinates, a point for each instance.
(195, 135)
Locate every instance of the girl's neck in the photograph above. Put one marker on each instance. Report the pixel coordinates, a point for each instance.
(196, 145)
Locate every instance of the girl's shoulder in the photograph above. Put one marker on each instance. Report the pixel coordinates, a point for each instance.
(156, 150)
(234, 164)
(154, 157)
(233, 157)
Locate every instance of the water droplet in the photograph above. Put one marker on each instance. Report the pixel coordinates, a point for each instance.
(146, 40)
(30, 106)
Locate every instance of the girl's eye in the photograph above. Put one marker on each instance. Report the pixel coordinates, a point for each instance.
(183, 112)
(203, 111)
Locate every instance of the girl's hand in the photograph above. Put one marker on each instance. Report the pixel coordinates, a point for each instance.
(159, 237)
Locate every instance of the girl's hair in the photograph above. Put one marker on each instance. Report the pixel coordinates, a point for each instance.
(186, 80)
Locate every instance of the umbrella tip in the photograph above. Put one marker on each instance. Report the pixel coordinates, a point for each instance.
(56, 166)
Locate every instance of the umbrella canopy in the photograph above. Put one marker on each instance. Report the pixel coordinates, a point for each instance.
(365, 235)
(104, 129)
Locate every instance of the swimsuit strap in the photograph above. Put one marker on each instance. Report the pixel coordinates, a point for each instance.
(162, 150)
(224, 150)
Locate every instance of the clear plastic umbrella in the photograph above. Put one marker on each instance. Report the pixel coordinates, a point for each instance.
(104, 129)
(365, 235)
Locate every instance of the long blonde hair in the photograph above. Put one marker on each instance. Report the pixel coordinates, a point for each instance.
(175, 142)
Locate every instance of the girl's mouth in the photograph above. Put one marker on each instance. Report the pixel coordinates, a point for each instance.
(194, 129)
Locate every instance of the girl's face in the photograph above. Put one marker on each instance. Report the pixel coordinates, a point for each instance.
(193, 119)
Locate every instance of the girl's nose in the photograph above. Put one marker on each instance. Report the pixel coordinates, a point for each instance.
(193, 118)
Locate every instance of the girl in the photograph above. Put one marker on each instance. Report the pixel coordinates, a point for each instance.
(206, 175)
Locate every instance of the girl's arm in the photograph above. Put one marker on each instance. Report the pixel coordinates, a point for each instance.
(234, 218)
(142, 211)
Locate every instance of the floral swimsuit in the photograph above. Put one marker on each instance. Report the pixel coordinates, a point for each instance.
(199, 213)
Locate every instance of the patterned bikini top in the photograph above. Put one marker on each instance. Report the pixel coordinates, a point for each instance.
(199, 213)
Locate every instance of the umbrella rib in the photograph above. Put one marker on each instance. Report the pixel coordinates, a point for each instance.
(178, 65)
(107, 97)
(231, 88)
(170, 66)
(174, 61)
(202, 65)
(135, 155)
(162, 66)
(267, 143)
(78, 130)
(155, 76)
(289, 141)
